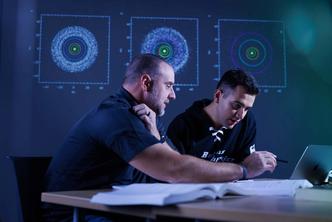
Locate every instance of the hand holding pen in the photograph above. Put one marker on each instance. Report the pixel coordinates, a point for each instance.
(259, 162)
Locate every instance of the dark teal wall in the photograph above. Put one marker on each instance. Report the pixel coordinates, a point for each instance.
(35, 117)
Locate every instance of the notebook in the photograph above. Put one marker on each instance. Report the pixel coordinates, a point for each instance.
(315, 165)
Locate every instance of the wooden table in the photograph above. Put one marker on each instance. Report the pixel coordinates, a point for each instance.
(230, 208)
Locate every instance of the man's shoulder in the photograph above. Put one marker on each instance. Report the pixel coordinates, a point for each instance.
(250, 117)
(114, 101)
(189, 123)
(193, 113)
(108, 115)
(247, 124)
(113, 106)
(183, 120)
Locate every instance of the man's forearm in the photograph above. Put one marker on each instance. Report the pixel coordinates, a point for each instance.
(192, 169)
(162, 163)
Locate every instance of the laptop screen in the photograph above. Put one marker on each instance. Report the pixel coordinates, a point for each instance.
(314, 164)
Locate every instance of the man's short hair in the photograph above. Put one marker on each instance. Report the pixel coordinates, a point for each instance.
(237, 77)
(144, 63)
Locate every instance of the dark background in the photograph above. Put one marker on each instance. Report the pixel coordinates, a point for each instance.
(36, 116)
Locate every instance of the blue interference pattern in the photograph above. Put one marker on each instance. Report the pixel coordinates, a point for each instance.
(257, 47)
(251, 52)
(169, 44)
(74, 49)
(173, 38)
(74, 52)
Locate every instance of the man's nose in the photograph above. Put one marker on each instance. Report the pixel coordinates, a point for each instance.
(241, 113)
(172, 94)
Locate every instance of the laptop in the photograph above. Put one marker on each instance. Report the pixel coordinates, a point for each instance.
(315, 165)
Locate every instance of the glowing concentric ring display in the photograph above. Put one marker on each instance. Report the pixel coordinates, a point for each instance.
(168, 44)
(165, 50)
(252, 52)
(74, 49)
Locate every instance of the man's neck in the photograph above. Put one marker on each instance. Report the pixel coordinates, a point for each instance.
(134, 91)
(210, 110)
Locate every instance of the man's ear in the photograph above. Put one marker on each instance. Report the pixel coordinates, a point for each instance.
(218, 95)
(146, 82)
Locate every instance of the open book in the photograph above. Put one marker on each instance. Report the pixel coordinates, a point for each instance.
(160, 194)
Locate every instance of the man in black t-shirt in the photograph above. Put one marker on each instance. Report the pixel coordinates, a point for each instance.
(122, 142)
(99, 149)
(222, 129)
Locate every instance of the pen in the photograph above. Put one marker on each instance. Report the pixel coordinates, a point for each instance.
(281, 161)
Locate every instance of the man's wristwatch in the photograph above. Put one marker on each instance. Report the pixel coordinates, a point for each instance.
(244, 172)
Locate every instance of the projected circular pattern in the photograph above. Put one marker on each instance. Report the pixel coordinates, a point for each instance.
(74, 49)
(168, 44)
(251, 52)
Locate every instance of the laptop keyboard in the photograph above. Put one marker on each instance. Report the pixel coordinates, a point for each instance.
(324, 186)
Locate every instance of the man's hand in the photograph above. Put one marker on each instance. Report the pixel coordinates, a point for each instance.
(148, 117)
(258, 162)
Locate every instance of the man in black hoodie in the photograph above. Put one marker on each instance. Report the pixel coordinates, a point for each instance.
(223, 129)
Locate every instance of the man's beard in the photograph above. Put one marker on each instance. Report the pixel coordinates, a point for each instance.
(153, 102)
(161, 112)
(158, 110)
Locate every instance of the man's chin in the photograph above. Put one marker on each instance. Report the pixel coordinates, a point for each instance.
(231, 126)
(161, 112)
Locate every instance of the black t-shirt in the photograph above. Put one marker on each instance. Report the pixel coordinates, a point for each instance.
(192, 133)
(97, 150)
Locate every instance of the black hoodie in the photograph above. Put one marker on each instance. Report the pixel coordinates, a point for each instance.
(192, 133)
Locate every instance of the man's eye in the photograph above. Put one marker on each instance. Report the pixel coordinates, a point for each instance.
(236, 106)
